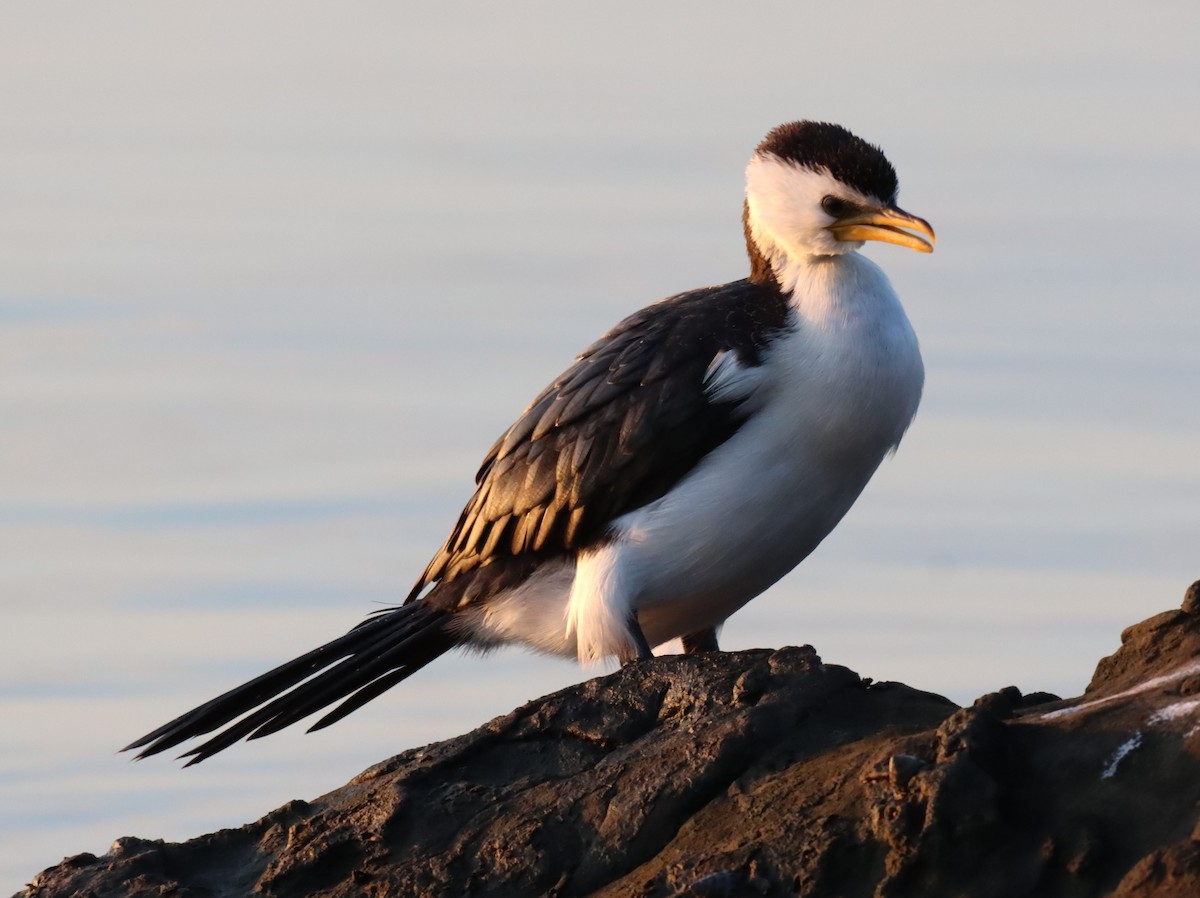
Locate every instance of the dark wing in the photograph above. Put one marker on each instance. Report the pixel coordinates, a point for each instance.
(614, 432)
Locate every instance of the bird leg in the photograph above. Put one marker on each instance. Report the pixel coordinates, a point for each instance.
(701, 641)
(642, 649)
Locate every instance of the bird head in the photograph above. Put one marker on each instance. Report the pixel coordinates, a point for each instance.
(814, 189)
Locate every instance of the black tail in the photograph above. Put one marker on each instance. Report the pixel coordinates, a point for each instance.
(373, 657)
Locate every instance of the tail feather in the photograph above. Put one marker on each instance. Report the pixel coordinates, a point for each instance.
(398, 661)
(226, 707)
(388, 648)
(392, 654)
(379, 686)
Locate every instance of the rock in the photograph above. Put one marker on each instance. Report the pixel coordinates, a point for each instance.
(760, 773)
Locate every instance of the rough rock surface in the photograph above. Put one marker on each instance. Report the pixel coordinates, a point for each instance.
(758, 773)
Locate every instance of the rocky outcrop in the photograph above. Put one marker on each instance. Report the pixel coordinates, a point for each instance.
(757, 773)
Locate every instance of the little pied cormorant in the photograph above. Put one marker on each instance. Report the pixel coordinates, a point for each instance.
(685, 462)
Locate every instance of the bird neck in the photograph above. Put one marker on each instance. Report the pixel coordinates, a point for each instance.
(799, 276)
(761, 270)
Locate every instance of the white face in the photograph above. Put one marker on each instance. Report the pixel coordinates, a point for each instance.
(786, 218)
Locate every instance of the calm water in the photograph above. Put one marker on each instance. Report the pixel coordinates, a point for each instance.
(270, 284)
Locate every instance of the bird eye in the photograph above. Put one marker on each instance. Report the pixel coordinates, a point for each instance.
(835, 206)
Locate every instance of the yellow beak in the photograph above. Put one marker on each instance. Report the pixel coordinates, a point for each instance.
(890, 225)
